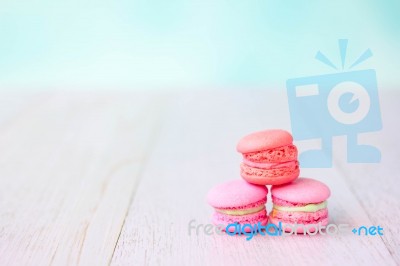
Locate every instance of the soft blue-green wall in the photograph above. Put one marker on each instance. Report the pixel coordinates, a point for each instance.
(180, 44)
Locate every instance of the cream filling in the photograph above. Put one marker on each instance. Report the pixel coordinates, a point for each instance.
(290, 164)
(241, 212)
(306, 208)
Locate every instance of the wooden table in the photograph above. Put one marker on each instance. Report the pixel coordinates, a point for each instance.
(115, 178)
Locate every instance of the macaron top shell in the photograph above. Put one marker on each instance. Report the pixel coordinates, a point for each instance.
(264, 140)
(236, 193)
(302, 190)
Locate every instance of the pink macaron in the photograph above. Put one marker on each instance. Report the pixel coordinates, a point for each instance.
(269, 157)
(301, 202)
(238, 202)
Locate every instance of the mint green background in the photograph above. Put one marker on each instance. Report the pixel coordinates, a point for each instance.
(160, 44)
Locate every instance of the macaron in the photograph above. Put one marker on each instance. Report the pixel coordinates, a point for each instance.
(269, 157)
(238, 202)
(301, 202)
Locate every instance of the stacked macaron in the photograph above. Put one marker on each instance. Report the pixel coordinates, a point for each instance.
(270, 158)
(238, 202)
(301, 202)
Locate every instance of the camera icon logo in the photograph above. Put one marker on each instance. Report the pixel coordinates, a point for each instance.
(344, 103)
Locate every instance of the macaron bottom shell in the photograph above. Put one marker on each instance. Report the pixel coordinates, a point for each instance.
(311, 227)
(276, 176)
(252, 219)
(309, 220)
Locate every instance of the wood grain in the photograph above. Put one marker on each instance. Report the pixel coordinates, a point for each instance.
(69, 168)
(115, 178)
(376, 185)
(197, 150)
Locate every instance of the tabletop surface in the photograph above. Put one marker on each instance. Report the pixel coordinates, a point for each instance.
(116, 178)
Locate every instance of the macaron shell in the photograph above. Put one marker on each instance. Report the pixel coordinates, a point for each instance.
(236, 193)
(263, 140)
(247, 229)
(269, 176)
(300, 217)
(254, 218)
(322, 222)
(278, 154)
(302, 190)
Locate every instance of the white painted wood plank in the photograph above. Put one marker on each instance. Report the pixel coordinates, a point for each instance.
(376, 185)
(13, 104)
(196, 151)
(68, 172)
